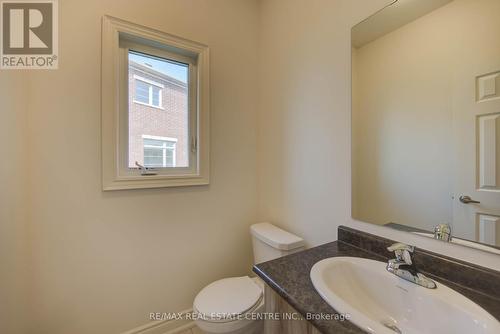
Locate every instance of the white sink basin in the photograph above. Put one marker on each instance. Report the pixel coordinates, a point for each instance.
(377, 301)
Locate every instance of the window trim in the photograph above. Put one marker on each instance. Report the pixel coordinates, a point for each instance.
(114, 177)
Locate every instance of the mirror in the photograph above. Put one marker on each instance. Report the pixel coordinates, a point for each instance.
(426, 120)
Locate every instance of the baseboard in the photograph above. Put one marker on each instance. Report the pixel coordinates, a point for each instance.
(174, 326)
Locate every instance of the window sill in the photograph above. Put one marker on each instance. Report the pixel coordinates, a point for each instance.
(154, 181)
(148, 105)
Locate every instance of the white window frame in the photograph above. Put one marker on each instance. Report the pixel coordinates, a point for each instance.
(118, 37)
(164, 139)
(151, 84)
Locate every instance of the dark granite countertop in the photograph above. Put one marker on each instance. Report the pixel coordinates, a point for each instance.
(289, 277)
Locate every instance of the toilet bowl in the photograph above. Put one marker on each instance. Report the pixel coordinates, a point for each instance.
(231, 305)
(234, 305)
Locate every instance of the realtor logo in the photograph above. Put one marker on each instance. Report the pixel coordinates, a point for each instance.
(29, 35)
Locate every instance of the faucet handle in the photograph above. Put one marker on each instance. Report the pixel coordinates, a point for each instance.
(402, 252)
(400, 246)
(442, 232)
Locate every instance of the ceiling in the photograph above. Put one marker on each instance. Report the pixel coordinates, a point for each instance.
(392, 17)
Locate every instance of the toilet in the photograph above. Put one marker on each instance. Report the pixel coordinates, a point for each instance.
(233, 305)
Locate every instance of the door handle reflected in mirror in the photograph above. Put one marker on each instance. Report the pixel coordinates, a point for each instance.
(467, 200)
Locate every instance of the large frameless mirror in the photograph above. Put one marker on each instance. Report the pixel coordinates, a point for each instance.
(426, 120)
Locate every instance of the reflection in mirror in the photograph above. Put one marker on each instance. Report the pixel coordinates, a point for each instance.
(426, 120)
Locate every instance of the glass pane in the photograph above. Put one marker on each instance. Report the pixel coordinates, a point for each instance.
(156, 96)
(170, 122)
(153, 153)
(141, 91)
(169, 159)
(153, 157)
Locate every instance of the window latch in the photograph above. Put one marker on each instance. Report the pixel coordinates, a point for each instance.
(194, 144)
(145, 171)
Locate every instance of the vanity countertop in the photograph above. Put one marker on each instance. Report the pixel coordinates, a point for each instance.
(289, 277)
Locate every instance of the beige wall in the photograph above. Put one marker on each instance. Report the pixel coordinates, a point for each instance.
(15, 275)
(103, 261)
(304, 113)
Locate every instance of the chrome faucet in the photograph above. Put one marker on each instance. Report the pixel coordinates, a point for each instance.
(402, 266)
(442, 232)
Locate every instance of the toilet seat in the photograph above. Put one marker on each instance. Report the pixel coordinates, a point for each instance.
(228, 299)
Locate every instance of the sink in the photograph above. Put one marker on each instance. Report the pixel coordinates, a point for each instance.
(380, 302)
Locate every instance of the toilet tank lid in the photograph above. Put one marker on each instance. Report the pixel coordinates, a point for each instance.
(276, 237)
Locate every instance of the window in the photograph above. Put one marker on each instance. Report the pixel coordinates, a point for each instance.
(154, 108)
(159, 152)
(146, 92)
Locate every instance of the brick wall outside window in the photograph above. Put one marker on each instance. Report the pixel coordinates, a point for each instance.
(169, 121)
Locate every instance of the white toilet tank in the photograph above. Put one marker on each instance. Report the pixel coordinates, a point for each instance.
(270, 242)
